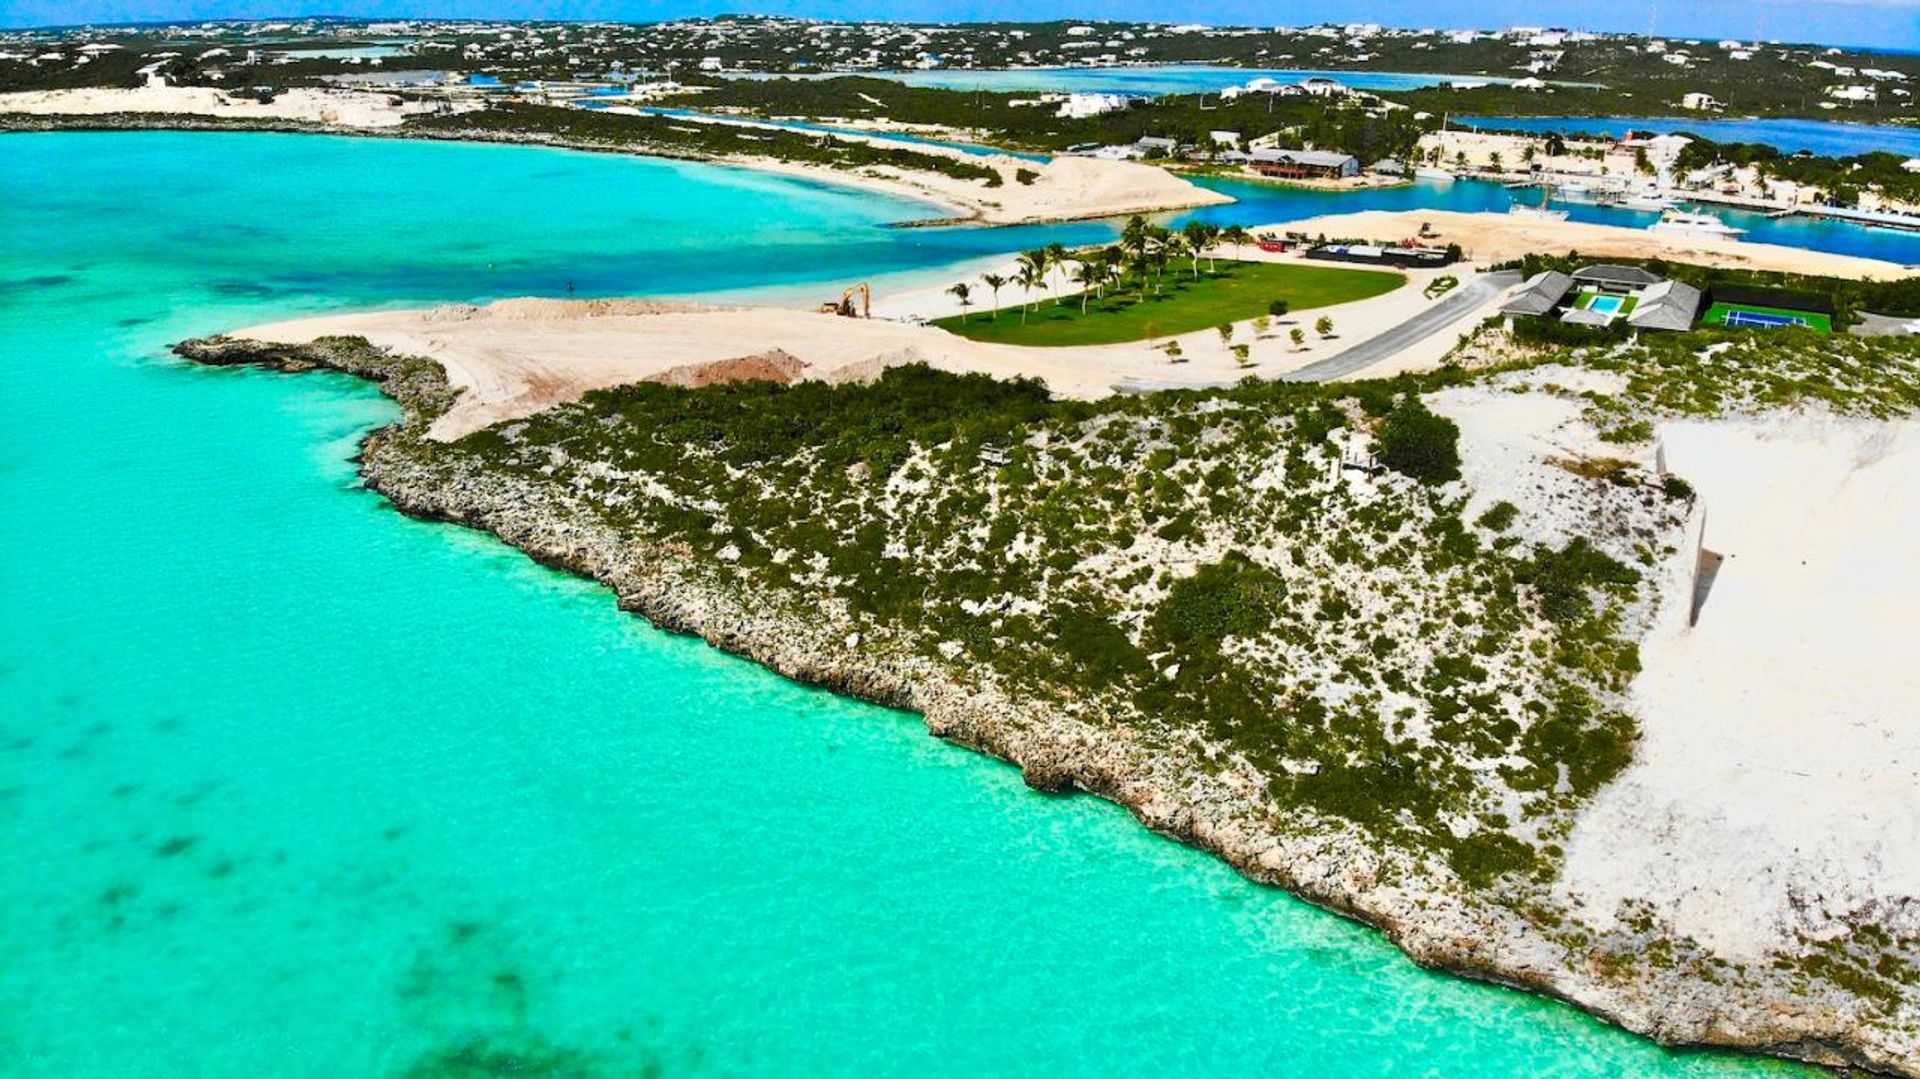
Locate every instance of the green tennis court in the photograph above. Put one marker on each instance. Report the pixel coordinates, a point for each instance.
(1743, 316)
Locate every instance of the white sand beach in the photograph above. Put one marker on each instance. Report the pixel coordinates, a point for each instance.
(346, 108)
(515, 357)
(1063, 189)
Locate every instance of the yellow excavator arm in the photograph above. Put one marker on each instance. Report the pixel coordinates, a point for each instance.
(844, 306)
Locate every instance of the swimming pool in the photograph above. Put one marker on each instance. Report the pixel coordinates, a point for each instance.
(1606, 305)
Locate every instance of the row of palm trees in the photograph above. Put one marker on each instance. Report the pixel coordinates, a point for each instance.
(1142, 256)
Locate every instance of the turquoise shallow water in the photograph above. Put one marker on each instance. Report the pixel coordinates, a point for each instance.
(292, 785)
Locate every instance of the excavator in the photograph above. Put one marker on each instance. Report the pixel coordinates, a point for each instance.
(844, 306)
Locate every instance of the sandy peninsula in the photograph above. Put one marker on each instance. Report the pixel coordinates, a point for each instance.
(515, 357)
(1063, 189)
(1491, 238)
(341, 108)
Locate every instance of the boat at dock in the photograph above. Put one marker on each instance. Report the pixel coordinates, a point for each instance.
(1697, 225)
(1648, 201)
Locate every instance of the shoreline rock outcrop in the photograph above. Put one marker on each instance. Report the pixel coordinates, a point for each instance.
(1436, 919)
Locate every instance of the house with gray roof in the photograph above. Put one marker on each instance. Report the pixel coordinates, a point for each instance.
(1540, 295)
(1606, 294)
(1609, 276)
(1669, 305)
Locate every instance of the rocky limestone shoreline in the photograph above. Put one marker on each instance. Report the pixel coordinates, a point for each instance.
(1432, 916)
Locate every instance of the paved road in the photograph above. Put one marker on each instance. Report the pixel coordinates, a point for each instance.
(1445, 312)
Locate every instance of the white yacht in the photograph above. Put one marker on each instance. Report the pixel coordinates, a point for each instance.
(1697, 225)
(1583, 193)
(1648, 200)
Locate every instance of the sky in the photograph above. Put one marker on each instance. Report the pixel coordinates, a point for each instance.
(1883, 24)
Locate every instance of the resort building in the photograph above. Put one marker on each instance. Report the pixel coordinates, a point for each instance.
(1079, 106)
(1598, 295)
(1304, 164)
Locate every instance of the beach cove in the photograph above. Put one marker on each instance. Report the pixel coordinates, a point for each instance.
(309, 787)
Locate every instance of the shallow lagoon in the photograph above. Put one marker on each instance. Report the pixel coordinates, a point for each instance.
(292, 785)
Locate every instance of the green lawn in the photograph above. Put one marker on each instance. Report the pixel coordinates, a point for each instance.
(1717, 315)
(1240, 291)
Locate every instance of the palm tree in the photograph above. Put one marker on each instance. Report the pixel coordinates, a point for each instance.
(1033, 270)
(1195, 237)
(1026, 278)
(963, 292)
(1087, 274)
(1134, 236)
(1209, 239)
(1235, 235)
(1141, 266)
(1057, 259)
(1178, 247)
(996, 282)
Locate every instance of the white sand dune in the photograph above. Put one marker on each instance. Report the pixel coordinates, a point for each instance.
(1777, 786)
(347, 108)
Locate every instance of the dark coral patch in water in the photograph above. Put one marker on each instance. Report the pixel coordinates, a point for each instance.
(174, 847)
(34, 284)
(477, 1058)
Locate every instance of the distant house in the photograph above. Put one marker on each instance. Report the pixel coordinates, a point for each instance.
(1154, 144)
(1321, 86)
(1304, 164)
(1079, 106)
(1699, 102)
(1387, 166)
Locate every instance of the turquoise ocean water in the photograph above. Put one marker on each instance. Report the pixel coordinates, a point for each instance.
(293, 786)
